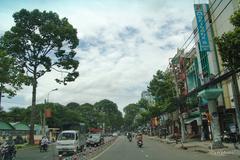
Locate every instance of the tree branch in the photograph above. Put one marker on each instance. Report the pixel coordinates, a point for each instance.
(61, 71)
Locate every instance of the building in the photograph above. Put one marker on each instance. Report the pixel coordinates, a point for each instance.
(202, 64)
(220, 15)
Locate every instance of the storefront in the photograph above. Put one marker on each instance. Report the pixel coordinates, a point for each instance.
(193, 123)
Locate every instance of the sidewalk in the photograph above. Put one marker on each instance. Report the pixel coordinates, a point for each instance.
(201, 146)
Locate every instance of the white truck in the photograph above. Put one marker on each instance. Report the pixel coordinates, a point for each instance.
(70, 141)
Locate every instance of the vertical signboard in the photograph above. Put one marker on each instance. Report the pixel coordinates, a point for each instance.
(201, 25)
(48, 113)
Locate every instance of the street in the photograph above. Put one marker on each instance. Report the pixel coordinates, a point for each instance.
(33, 153)
(122, 149)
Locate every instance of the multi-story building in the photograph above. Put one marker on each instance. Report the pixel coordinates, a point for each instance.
(220, 17)
(202, 65)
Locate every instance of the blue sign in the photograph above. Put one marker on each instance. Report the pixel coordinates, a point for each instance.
(201, 25)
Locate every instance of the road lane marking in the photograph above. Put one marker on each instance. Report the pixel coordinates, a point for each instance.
(97, 156)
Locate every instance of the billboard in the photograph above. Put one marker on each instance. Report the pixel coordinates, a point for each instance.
(201, 25)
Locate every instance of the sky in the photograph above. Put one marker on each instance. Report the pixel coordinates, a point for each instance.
(122, 45)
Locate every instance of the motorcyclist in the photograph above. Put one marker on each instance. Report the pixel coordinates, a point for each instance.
(44, 143)
(10, 141)
(129, 136)
(139, 137)
(9, 146)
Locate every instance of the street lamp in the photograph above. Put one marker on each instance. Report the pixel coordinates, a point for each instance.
(49, 94)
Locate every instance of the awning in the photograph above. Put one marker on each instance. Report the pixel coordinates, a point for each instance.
(190, 120)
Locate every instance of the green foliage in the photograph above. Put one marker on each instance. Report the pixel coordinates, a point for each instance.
(130, 111)
(72, 113)
(143, 103)
(41, 41)
(161, 87)
(73, 105)
(109, 114)
(12, 76)
(229, 44)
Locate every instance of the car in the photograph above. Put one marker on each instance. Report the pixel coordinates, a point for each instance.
(115, 134)
(70, 141)
(95, 139)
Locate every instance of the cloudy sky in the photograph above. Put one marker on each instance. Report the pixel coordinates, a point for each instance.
(122, 44)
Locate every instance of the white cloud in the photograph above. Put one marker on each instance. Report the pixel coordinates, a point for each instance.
(115, 68)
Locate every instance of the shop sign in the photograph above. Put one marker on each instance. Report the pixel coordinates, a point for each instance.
(201, 25)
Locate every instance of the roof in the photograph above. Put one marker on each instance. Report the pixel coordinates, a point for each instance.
(20, 126)
(6, 126)
(69, 131)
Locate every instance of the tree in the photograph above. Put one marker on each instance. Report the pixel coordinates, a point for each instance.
(89, 114)
(229, 48)
(12, 76)
(73, 105)
(131, 111)
(109, 114)
(161, 87)
(16, 114)
(143, 103)
(41, 42)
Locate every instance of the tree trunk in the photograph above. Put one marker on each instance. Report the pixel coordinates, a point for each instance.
(236, 94)
(0, 100)
(1, 86)
(32, 120)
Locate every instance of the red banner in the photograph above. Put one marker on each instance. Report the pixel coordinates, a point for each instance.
(48, 113)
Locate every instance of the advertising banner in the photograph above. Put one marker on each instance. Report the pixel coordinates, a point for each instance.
(201, 25)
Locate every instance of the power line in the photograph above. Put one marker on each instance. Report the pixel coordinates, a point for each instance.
(199, 22)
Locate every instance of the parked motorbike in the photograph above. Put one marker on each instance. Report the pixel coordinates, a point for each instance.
(229, 137)
(7, 152)
(140, 143)
(226, 137)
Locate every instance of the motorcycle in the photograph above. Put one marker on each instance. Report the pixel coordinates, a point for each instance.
(43, 147)
(7, 152)
(226, 137)
(140, 143)
(130, 139)
(229, 137)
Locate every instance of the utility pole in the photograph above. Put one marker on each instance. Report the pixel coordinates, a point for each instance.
(178, 99)
(43, 117)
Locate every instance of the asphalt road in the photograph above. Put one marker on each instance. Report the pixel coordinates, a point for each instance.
(35, 154)
(122, 149)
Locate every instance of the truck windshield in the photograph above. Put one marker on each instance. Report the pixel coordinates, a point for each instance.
(66, 136)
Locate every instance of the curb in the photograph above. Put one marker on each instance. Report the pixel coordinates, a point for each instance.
(198, 148)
